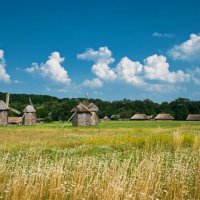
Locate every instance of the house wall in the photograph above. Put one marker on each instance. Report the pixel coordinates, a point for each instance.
(85, 119)
(29, 119)
(3, 118)
(81, 119)
(94, 118)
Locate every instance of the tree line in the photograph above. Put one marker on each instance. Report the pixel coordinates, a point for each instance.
(56, 109)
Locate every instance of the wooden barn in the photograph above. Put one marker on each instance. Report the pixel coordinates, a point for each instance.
(193, 117)
(164, 117)
(15, 120)
(139, 117)
(29, 117)
(85, 114)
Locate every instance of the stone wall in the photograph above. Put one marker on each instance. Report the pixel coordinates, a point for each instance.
(29, 119)
(3, 118)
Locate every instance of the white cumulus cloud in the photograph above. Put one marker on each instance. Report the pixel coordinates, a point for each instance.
(157, 68)
(188, 50)
(102, 58)
(130, 71)
(94, 83)
(153, 74)
(103, 71)
(34, 68)
(52, 69)
(4, 77)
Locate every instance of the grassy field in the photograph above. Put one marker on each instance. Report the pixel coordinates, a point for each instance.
(115, 160)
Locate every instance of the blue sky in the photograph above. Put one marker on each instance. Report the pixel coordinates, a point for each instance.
(110, 49)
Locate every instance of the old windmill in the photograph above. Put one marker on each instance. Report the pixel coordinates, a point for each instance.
(29, 116)
(84, 114)
(4, 108)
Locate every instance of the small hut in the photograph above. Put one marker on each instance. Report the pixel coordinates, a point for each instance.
(15, 120)
(164, 117)
(3, 113)
(85, 114)
(106, 118)
(139, 117)
(193, 117)
(115, 117)
(29, 117)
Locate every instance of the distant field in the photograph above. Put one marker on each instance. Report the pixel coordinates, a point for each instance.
(114, 160)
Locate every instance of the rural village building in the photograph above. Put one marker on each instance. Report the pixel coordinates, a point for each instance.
(3, 113)
(139, 117)
(29, 117)
(193, 117)
(164, 117)
(85, 114)
(15, 120)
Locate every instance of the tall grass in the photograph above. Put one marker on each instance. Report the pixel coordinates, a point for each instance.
(94, 163)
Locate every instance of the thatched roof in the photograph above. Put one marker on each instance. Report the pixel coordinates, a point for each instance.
(164, 117)
(193, 117)
(139, 117)
(3, 106)
(106, 118)
(29, 109)
(93, 108)
(85, 108)
(14, 120)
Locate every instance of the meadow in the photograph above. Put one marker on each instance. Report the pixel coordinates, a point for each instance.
(114, 161)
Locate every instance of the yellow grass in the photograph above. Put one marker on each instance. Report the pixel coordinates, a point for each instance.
(105, 162)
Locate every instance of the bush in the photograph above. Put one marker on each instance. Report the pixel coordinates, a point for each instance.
(48, 119)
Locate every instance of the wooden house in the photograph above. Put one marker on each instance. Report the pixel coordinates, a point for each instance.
(15, 120)
(85, 114)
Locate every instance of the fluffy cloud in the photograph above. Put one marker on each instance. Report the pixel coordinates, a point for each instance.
(3, 74)
(102, 71)
(34, 68)
(153, 75)
(166, 35)
(94, 83)
(102, 58)
(52, 69)
(130, 71)
(157, 68)
(102, 55)
(188, 50)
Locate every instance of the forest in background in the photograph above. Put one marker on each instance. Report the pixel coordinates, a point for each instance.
(56, 109)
